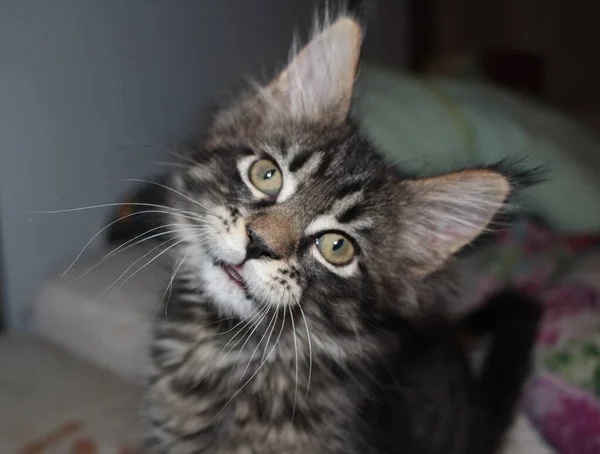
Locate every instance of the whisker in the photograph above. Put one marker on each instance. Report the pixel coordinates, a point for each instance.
(296, 353)
(170, 286)
(255, 373)
(184, 161)
(275, 319)
(195, 202)
(247, 326)
(257, 346)
(144, 266)
(256, 325)
(236, 325)
(276, 313)
(102, 205)
(126, 245)
(217, 322)
(180, 158)
(100, 232)
(167, 164)
(309, 348)
(117, 251)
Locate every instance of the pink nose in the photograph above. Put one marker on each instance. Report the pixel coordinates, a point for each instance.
(271, 235)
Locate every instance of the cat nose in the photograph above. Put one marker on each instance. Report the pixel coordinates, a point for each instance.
(271, 235)
(257, 247)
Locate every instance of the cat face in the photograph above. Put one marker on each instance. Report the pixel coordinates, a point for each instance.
(291, 219)
(286, 205)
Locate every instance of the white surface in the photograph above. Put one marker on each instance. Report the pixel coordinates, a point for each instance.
(109, 328)
(523, 439)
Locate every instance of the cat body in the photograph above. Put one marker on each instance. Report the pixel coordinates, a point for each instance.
(211, 394)
(306, 313)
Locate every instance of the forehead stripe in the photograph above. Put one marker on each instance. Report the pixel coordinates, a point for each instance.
(350, 214)
(352, 187)
(299, 160)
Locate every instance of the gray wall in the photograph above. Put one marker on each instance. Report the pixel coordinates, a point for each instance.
(81, 78)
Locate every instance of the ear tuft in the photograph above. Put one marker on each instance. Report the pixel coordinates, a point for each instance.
(318, 83)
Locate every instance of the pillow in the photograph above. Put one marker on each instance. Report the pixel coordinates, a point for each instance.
(433, 125)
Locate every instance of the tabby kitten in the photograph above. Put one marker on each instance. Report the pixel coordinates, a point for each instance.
(306, 310)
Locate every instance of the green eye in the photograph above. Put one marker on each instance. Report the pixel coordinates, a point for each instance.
(336, 248)
(266, 176)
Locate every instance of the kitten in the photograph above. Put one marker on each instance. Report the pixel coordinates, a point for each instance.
(306, 312)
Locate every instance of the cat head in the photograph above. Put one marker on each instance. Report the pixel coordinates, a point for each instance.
(285, 204)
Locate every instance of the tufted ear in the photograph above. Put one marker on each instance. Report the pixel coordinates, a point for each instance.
(318, 83)
(442, 215)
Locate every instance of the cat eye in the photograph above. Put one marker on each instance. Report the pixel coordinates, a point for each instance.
(336, 248)
(266, 176)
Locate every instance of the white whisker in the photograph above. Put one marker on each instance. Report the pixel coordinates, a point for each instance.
(97, 234)
(296, 354)
(123, 247)
(102, 205)
(167, 164)
(257, 347)
(309, 349)
(247, 326)
(141, 268)
(272, 329)
(256, 325)
(190, 199)
(255, 373)
(170, 286)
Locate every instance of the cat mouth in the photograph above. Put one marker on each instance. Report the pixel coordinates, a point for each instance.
(232, 272)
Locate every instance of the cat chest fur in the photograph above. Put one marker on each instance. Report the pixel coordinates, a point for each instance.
(225, 391)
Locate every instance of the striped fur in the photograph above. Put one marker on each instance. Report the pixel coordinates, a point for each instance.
(300, 359)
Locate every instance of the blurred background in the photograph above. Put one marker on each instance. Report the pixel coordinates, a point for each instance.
(93, 93)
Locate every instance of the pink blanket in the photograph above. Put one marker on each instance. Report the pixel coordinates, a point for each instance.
(563, 398)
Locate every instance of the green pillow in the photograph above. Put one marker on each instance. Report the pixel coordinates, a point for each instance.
(433, 125)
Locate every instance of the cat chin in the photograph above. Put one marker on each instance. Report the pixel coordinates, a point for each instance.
(243, 290)
(227, 296)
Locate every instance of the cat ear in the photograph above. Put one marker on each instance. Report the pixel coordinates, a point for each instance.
(318, 82)
(442, 215)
